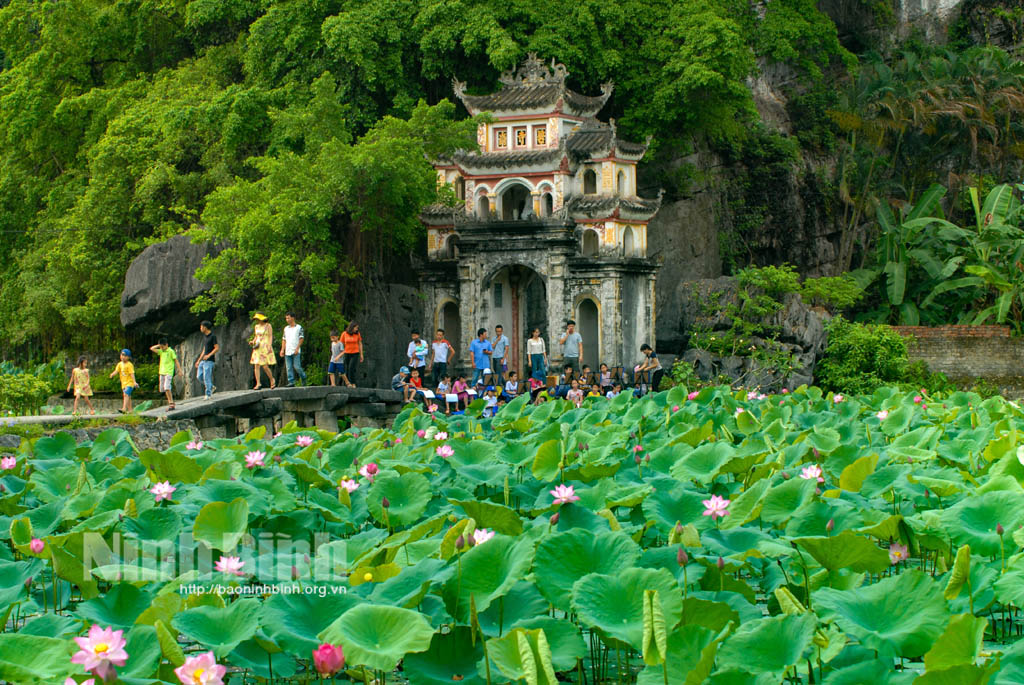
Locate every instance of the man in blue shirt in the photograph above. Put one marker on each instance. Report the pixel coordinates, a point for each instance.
(481, 350)
(498, 359)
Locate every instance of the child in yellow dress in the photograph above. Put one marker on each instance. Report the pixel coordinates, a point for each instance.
(126, 370)
(80, 379)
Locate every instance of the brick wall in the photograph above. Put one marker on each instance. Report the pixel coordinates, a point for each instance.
(968, 352)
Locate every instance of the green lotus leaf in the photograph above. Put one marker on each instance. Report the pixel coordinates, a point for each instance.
(678, 504)
(973, 520)
(563, 637)
(220, 628)
(13, 575)
(143, 649)
(900, 615)
(964, 674)
(523, 654)
(153, 524)
(703, 463)
(295, 620)
(52, 625)
(522, 603)
(253, 656)
(784, 498)
(35, 659)
(959, 644)
(171, 466)
(118, 607)
(379, 636)
(452, 657)
(691, 652)
(222, 524)
(489, 570)
(846, 550)
(746, 506)
(408, 496)
(59, 446)
(490, 515)
(408, 587)
(768, 644)
(564, 558)
(614, 603)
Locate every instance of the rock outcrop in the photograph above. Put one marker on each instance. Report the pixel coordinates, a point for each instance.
(159, 285)
(800, 332)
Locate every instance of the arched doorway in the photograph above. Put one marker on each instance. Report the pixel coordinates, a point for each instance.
(516, 298)
(547, 205)
(588, 319)
(451, 322)
(620, 183)
(590, 243)
(589, 182)
(628, 243)
(451, 247)
(516, 203)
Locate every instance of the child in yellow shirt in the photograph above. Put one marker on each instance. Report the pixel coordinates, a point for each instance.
(126, 370)
(80, 379)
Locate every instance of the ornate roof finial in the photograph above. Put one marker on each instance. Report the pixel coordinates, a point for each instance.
(533, 72)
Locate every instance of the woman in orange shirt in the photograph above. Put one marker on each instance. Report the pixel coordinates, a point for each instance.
(352, 339)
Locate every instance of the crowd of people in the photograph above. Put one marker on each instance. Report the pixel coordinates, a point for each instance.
(427, 376)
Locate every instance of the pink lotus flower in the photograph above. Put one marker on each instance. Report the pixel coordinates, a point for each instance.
(328, 659)
(432, 408)
(441, 435)
(369, 471)
(924, 406)
(564, 494)
(163, 490)
(445, 451)
(739, 410)
(230, 565)
(420, 434)
(8, 463)
(254, 459)
(785, 391)
(812, 472)
(36, 545)
(898, 553)
(692, 395)
(278, 434)
(762, 396)
(482, 535)
(716, 507)
(917, 399)
(398, 441)
(638, 448)
(675, 408)
(349, 485)
(751, 395)
(837, 398)
(304, 440)
(102, 649)
(194, 445)
(882, 415)
(201, 670)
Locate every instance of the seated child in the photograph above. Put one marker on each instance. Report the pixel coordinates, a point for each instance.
(459, 388)
(605, 378)
(511, 387)
(615, 390)
(413, 386)
(595, 391)
(491, 397)
(575, 395)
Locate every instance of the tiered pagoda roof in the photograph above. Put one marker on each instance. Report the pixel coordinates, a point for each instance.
(534, 86)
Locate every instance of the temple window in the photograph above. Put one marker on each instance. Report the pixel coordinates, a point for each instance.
(547, 205)
(589, 182)
(540, 136)
(483, 207)
(628, 243)
(520, 134)
(501, 139)
(590, 243)
(460, 188)
(620, 183)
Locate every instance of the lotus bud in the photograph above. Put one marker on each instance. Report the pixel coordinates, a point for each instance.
(927, 494)
(720, 563)
(647, 458)
(831, 525)
(679, 529)
(305, 558)
(37, 545)
(277, 458)
(682, 558)
(785, 475)
(67, 488)
(295, 572)
(372, 469)
(816, 452)
(999, 529)
(355, 462)
(2, 489)
(554, 519)
(632, 435)
(817, 491)
(328, 659)
(637, 459)
(460, 542)
(470, 541)
(385, 503)
(319, 454)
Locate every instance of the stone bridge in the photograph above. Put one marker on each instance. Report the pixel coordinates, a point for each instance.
(230, 413)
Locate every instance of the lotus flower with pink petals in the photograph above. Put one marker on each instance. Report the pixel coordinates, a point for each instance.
(432, 408)
(564, 494)
(837, 398)
(254, 459)
(898, 553)
(230, 565)
(917, 399)
(692, 395)
(8, 463)
(349, 485)
(716, 507)
(445, 451)
(194, 445)
(328, 659)
(482, 535)
(162, 490)
(882, 415)
(675, 407)
(37, 546)
(812, 472)
(739, 410)
(369, 471)
(201, 670)
(441, 435)
(304, 440)
(421, 433)
(100, 650)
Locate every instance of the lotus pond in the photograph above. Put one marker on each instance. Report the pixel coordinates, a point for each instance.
(718, 536)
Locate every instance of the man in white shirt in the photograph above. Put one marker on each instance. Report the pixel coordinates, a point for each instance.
(499, 357)
(572, 346)
(440, 351)
(417, 353)
(291, 349)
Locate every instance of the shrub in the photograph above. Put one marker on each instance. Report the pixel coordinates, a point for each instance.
(681, 373)
(23, 393)
(860, 358)
(833, 292)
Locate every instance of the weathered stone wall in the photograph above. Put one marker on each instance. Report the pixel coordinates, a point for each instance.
(966, 353)
(156, 435)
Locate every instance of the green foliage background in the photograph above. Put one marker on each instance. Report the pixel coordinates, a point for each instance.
(297, 129)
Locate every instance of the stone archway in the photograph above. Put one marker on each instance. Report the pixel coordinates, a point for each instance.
(516, 202)
(588, 320)
(517, 299)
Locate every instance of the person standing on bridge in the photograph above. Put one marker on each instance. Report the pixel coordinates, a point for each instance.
(440, 351)
(262, 343)
(207, 358)
(572, 346)
(352, 339)
(291, 349)
(481, 350)
(168, 363)
(499, 360)
(417, 352)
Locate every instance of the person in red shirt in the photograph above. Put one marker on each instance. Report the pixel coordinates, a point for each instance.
(352, 340)
(414, 385)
